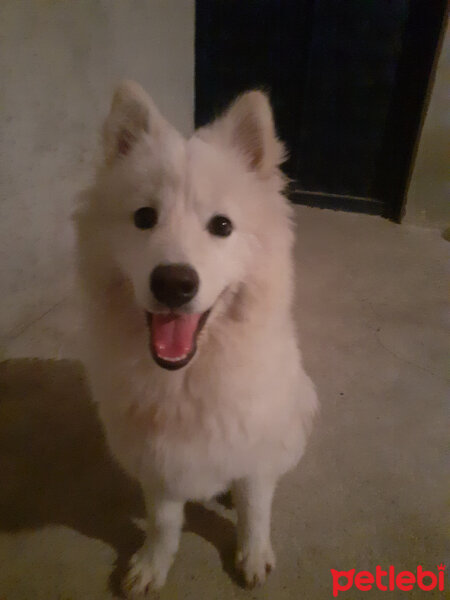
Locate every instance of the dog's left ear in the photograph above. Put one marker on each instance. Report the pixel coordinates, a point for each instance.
(248, 127)
(131, 116)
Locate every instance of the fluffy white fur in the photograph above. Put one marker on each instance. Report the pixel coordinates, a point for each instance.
(239, 413)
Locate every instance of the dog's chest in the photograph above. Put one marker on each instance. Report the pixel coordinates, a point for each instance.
(193, 440)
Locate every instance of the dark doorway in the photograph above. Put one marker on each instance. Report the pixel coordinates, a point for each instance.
(347, 79)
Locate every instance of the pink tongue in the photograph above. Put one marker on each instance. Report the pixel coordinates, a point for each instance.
(173, 335)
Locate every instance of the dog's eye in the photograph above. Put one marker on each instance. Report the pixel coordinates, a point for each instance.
(145, 217)
(220, 225)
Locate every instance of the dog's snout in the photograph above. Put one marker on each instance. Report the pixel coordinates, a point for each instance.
(174, 285)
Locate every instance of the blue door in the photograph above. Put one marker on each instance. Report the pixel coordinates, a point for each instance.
(347, 80)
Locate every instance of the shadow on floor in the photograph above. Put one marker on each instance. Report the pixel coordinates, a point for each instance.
(56, 468)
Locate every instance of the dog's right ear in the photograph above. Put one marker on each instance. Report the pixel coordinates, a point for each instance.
(248, 127)
(132, 115)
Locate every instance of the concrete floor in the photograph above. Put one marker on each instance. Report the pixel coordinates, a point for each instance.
(372, 488)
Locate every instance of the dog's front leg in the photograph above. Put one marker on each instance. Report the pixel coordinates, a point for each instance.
(152, 562)
(253, 500)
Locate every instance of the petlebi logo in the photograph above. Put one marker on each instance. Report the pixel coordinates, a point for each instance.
(388, 580)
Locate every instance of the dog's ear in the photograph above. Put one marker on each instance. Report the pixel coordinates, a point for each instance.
(132, 115)
(248, 127)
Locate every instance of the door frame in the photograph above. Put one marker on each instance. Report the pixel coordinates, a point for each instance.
(415, 77)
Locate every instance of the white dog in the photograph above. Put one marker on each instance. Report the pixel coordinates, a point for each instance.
(185, 258)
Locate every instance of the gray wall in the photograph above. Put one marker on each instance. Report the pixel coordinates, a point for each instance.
(59, 62)
(428, 200)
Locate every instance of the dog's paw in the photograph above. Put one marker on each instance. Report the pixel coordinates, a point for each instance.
(255, 564)
(145, 575)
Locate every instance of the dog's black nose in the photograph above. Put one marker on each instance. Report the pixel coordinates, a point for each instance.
(174, 285)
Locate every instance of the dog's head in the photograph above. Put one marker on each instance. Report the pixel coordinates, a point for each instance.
(188, 221)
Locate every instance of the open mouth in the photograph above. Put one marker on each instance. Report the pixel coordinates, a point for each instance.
(173, 337)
